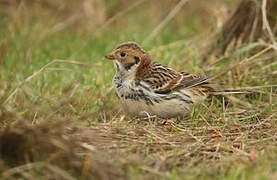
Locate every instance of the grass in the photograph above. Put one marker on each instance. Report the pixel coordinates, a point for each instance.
(66, 122)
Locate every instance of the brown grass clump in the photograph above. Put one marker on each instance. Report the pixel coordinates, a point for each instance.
(251, 21)
(21, 143)
(49, 149)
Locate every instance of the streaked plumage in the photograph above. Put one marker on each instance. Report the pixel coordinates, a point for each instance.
(149, 88)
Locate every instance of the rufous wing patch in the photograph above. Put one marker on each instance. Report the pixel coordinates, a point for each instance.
(171, 84)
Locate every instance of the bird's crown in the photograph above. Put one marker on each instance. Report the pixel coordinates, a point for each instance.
(131, 45)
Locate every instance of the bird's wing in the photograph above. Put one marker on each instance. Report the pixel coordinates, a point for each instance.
(163, 80)
(192, 80)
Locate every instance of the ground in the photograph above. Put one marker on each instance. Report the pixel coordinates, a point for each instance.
(62, 120)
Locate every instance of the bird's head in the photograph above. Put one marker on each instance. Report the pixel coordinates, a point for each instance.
(130, 60)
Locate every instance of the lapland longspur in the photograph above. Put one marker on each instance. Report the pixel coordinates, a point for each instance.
(149, 88)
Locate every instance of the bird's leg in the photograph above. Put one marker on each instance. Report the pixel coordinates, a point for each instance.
(182, 118)
(178, 120)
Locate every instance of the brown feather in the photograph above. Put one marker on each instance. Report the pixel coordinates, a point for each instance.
(144, 67)
(130, 45)
(171, 84)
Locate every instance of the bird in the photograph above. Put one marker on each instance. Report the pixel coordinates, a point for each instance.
(150, 89)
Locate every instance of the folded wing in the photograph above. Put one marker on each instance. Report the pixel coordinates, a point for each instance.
(163, 80)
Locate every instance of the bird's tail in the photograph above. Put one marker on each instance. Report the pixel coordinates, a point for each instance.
(228, 91)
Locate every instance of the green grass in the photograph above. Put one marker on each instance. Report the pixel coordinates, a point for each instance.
(69, 104)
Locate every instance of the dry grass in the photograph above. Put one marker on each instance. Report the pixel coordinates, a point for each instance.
(56, 149)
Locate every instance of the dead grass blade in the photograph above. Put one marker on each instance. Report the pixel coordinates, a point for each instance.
(62, 173)
(8, 173)
(267, 26)
(169, 17)
(245, 61)
(120, 14)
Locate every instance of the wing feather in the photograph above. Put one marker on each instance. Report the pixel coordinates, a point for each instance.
(163, 80)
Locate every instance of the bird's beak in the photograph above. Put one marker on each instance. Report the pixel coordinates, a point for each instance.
(110, 57)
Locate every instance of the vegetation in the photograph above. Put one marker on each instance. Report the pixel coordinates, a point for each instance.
(60, 119)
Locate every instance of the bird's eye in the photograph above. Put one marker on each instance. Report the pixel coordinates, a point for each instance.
(136, 59)
(122, 54)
